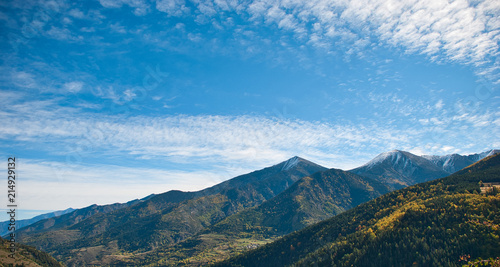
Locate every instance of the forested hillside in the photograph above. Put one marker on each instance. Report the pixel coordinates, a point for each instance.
(161, 220)
(25, 256)
(441, 222)
(309, 200)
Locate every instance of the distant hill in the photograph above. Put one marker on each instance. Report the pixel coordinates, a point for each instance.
(23, 223)
(163, 219)
(72, 217)
(455, 162)
(25, 256)
(400, 168)
(311, 199)
(437, 223)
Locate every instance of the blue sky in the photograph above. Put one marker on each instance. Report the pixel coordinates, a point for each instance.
(107, 101)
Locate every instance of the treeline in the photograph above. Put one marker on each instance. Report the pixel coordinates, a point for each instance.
(438, 232)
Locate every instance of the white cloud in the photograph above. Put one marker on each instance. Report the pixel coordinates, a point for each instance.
(458, 31)
(455, 31)
(439, 104)
(87, 29)
(194, 37)
(129, 95)
(178, 138)
(76, 13)
(119, 96)
(73, 87)
(172, 7)
(23, 79)
(116, 27)
(111, 3)
(141, 7)
(62, 34)
(212, 139)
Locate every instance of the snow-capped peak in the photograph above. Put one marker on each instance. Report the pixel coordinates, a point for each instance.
(454, 162)
(290, 163)
(395, 155)
(487, 153)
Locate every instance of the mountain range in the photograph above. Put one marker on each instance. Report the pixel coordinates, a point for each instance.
(23, 223)
(163, 219)
(311, 199)
(198, 228)
(399, 169)
(444, 222)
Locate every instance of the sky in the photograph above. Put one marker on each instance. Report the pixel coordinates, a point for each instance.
(112, 100)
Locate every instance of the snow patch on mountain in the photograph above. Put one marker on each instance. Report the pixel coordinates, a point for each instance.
(488, 153)
(455, 162)
(395, 156)
(401, 160)
(290, 163)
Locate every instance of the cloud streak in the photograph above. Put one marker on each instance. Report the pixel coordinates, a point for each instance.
(458, 31)
(216, 147)
(234, 139)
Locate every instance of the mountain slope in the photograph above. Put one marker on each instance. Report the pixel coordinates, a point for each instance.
(455, 162)
(309, 200)
(430, 224)
(400, 168)
(23, 223)
(167, 218)
(25, 256)
(73, 217)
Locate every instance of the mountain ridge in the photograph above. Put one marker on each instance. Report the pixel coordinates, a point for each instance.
(26, 222)
(165, 218)
(170, 218)
(429, 224)
(449, 162)
(401, 168)
(309, 200)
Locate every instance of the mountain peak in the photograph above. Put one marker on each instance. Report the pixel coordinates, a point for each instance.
(393, 155)
(455, 162)
(446, 195)
(401, 168)
(489, 153)
(291, 163)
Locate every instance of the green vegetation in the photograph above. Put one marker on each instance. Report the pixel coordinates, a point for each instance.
(162, 220)
(436, 223)
(452, 221)
(25, 256)
(309, 200)
(491, 262)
